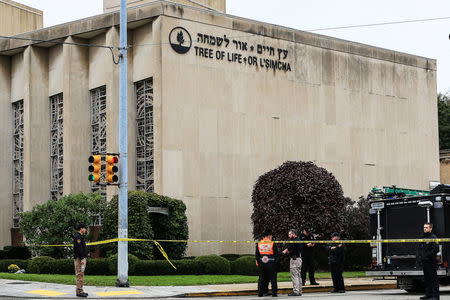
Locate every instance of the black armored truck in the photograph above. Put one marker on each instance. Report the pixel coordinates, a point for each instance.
(397, 213)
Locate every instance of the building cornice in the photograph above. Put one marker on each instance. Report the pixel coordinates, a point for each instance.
(145, 13)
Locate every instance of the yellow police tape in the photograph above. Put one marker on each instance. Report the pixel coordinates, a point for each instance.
(160, 248)
(443, 240)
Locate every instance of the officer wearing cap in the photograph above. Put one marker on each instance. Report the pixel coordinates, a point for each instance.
(265, 260)
(308, 257)
(80, 253)
(336, 257)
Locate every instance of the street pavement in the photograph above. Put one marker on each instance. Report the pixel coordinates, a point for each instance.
(16, 289)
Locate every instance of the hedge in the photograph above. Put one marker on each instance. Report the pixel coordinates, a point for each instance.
(15, 252)
(244, 265)
(213, 264)
(4, 263)
(210, 264)
(112, 263)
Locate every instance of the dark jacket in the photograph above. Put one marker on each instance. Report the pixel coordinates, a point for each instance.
(336, 255)
(295, 249)
(79, 246)
(428, 250)
(307, 252)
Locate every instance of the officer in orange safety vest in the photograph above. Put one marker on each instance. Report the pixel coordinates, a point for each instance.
(265, 260)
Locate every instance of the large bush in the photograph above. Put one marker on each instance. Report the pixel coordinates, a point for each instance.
(171, 227)
(139, 226)
(298, 194)
(42, 265)
(145, 225)
(245, 265)
(54, 222)
(213, 264)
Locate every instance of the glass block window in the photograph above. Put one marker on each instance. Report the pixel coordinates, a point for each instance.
(98, 130)
(144, 135)
(17, 187)
(56, 146)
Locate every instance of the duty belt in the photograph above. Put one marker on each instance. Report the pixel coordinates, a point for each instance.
(266, 259)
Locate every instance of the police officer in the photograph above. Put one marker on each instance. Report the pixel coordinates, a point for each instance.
(295, 263)
(265, 260)
(336, 257)
(308, 257)
(80, 253)
(427, 252)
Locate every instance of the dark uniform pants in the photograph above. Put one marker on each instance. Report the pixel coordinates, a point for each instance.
(431, 280)
(308, 267)
(336, 275)
(267, 272)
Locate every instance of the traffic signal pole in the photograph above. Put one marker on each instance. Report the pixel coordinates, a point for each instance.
(122, 259)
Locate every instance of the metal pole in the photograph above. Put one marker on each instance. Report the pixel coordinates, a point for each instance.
(428, 214)
(379, 250)
(122, 259)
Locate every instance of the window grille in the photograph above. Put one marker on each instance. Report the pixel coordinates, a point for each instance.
(144, 135)
(17, 188)
(56, 146)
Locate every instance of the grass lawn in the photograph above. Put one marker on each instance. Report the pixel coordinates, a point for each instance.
(159, 280)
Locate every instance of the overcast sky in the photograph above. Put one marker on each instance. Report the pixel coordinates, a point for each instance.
(429, 39)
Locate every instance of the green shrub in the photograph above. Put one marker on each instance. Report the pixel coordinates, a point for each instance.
(244, 265)
(4, 263)
(41, 265)
(162, 267)
(171, 227)
(155, 267)
(139, 226)
(213, 264)
(54, 222)
(112, 263)
(188, 267)
(143, 225)
(231, 257)
(98, 266)
(63, 266)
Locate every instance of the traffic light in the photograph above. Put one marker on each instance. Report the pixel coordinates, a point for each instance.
(95, 168)
(111, 169)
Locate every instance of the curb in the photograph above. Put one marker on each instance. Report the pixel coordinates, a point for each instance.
(309, 289)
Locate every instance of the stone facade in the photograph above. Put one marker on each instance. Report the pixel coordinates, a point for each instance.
(444, 158)
(18, 18)
(243, 98)
(217, 5)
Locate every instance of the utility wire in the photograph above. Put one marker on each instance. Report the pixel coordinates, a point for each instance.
(380, 24)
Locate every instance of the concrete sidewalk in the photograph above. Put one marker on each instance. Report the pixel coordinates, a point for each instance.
(39, 290)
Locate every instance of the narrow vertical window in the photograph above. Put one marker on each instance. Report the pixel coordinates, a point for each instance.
(98, 130)
(56, 146)
(17, 188)
(144, 135)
